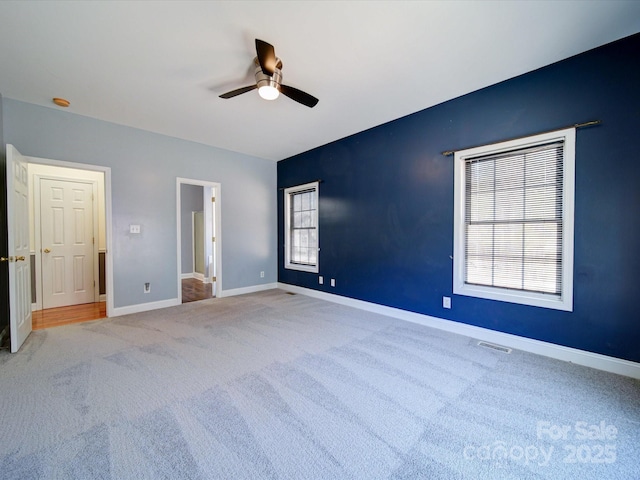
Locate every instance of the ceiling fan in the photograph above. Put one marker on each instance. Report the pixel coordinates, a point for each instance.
(268, 74)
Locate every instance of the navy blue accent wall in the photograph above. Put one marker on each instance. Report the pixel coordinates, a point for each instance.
(386, 202)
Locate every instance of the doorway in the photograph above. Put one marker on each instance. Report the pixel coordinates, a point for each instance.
(199, 246)
(69, 207)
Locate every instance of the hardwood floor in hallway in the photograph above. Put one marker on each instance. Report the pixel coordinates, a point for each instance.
(194, 290)
(54, 317)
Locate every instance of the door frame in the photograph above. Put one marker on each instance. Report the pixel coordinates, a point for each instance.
(37, 218)
(108, 264)
(197, 275)
(217, 250)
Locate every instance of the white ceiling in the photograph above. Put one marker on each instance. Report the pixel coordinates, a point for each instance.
(160, 66)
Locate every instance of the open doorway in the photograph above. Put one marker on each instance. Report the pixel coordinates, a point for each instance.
(69, 207)
(198, 213)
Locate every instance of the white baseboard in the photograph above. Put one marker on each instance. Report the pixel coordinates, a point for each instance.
(559, 352)
(102, 297)
(144, 307)
(245, 290)
(195, 275)
(172, 302)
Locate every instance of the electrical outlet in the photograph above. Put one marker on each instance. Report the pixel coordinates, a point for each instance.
(320, 279)
(147, 287)
(261, 274)
(446, 302)
(333, 282)
(134, 228)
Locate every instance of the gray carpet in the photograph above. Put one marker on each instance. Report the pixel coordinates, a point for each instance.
(271, 385)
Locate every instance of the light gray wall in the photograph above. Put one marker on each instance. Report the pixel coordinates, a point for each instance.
(144, 167)
(191, 200)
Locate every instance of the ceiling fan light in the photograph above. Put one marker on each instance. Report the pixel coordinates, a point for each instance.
(268, 92)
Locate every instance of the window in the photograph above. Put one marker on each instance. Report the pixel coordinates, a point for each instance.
(301, 227)
(513, 231)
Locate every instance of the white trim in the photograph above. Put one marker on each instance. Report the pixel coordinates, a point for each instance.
(144, 307)
(287, 227)
(198, 276)
(102, 297)
(559, 352)
(253, 289)
(185, 276)
(217, 188)
(565, 300)
(108, 217)
(193, 244)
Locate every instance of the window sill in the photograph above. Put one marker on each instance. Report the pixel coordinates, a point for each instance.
(564, 302)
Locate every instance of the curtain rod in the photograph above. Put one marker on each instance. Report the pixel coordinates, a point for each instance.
(310, 181)
(576, 125)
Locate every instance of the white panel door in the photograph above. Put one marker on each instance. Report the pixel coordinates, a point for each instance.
(19, 253)
(66, 228)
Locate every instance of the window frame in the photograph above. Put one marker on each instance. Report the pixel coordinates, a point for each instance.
(288, 194)
(563, 301)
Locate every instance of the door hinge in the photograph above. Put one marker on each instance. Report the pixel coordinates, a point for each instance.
(213, 279)
(213, 239)
(213, 199)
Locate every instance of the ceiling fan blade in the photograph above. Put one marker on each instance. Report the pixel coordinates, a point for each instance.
(266, 57)
(239, 91)
(299, 96)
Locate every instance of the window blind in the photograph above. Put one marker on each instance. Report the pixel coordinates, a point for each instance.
(513, 219)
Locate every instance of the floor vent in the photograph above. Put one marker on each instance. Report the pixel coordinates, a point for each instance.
(492, 346)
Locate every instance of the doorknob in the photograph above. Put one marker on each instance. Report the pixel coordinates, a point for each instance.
(20, 259)
(46, 250)
(5, 259)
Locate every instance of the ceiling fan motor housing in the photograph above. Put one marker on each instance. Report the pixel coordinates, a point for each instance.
(264, 80)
